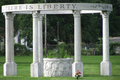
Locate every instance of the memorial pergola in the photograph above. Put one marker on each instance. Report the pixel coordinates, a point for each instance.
(37, 11)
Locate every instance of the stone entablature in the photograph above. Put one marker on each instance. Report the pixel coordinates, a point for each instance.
(56, 6)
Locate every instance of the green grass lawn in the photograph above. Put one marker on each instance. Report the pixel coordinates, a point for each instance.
(91, 69)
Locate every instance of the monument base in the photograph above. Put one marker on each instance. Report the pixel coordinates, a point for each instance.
(10, 69)
(77, 66)
(106, 68)
(36, 69)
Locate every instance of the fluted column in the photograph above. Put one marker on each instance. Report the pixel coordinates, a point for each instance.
(77, 65)
(10, 67)
(8, 36)
(40, 43)
(35, 36)
(40, 38)
(35, 66)
(14, 65)
(12, 37)
(106, 66)
(8, 64)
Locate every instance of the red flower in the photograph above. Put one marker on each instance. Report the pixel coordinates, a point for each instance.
(76, 72)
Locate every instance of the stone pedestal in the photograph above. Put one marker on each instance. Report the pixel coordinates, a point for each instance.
(77, 66)
(14, 68)
(35, 69)
(106, 68)
(8, 69)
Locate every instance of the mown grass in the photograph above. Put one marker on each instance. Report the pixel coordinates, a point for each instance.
(91, 69)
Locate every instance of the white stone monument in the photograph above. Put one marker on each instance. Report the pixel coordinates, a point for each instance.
(37, 11)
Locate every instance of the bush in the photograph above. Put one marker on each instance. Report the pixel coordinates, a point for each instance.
(70, 49)
(113, 46)
(2, 53)
(21, 50)
(62, 50)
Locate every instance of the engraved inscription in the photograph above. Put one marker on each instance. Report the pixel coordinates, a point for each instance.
(54, 6)
(101, 6)
(49, 6)
(62, 6)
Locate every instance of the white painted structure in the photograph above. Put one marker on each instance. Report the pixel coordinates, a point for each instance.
(37, 10)
(54, 67)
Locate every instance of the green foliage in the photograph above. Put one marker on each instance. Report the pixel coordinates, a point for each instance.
(61, 50)
(91, 69)
(21, 50)
(113, 46)
(65, 55)
(90, 23)
(2, 53)
(49, 55)
(70, 49)
(99, 48)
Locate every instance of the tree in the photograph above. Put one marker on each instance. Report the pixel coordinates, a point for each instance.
(91, 24)
(2, 18)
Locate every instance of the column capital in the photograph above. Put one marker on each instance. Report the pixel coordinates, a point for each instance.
(9, 15)
(76, 13)
(12, 17)
(105, 14)
(35, 14)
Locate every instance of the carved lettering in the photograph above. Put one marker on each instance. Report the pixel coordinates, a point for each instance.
(8, 7)
(15, 7)
(59, 6)
(49, 6)
(39, 7)
(74, 6)
(11, 7)
(43, 6)
(31, 7)
(20, 7)
(26, 7)
(68, 5)
(55, 6)
(62, 6)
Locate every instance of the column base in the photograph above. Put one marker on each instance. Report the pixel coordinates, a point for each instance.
(106, 68)
(77, 66)
(36, 70)
(10, 69)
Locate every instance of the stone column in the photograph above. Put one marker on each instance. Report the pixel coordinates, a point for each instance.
(40, 43)
(105, 65)
(10, 67)
(77, 65)
(14, 65)
(8, 64)
(35, 66)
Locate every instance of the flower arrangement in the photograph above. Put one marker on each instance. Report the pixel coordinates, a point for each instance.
(78, 74)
